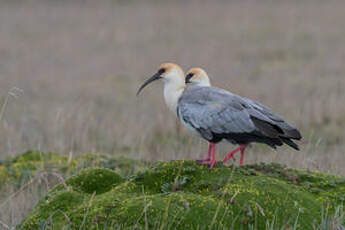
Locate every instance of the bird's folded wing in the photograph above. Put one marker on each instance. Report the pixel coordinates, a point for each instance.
(214, 111)
(218, 111)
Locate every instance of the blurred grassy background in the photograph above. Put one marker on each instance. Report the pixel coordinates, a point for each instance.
(80, 63)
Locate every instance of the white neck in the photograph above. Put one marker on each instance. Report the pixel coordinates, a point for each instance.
(173, 89)
(171, 96)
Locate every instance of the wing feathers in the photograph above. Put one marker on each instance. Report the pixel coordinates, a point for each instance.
(214, 111)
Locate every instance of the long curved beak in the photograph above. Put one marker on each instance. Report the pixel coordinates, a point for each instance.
(148, 81)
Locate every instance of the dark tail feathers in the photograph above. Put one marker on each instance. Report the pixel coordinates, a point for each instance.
(289, 142)
(282, 131)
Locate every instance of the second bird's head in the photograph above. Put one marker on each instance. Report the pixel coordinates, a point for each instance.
(197, 76)
(170, 73)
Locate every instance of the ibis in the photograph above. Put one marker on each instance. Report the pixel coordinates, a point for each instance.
(216, 114)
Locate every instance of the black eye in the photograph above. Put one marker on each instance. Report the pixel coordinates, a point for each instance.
(188, 77)
(162, 70)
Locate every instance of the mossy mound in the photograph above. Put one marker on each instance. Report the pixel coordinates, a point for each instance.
(18, 170)
(184, 195)
(94, 181)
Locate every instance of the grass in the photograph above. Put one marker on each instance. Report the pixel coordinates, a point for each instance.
(14, 93)
(80, 69)
(254, 196)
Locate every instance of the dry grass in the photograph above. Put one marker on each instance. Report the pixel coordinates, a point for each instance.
(81, 62)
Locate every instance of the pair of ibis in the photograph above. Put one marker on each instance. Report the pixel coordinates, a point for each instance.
(216, 114)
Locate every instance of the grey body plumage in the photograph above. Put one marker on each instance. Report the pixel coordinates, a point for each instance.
(217, 114)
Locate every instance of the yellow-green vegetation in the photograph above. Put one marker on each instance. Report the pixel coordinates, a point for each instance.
(184, 195)
(20, 169)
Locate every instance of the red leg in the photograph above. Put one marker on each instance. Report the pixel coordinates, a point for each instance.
(231, 154)
(212, 161)
(208, 154)
(213, 156)
(243, 147)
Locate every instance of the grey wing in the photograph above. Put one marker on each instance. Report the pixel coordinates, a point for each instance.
(214, 112)
(263, 117)
(268, 113)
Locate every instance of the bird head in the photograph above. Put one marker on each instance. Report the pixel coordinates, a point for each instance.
(197, 76)
(170, 73)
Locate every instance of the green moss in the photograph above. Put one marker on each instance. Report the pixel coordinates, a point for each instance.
(20, 169)
(122, 166)
(53, 210)
(36, 156)
(94, 180)
(184, 195)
